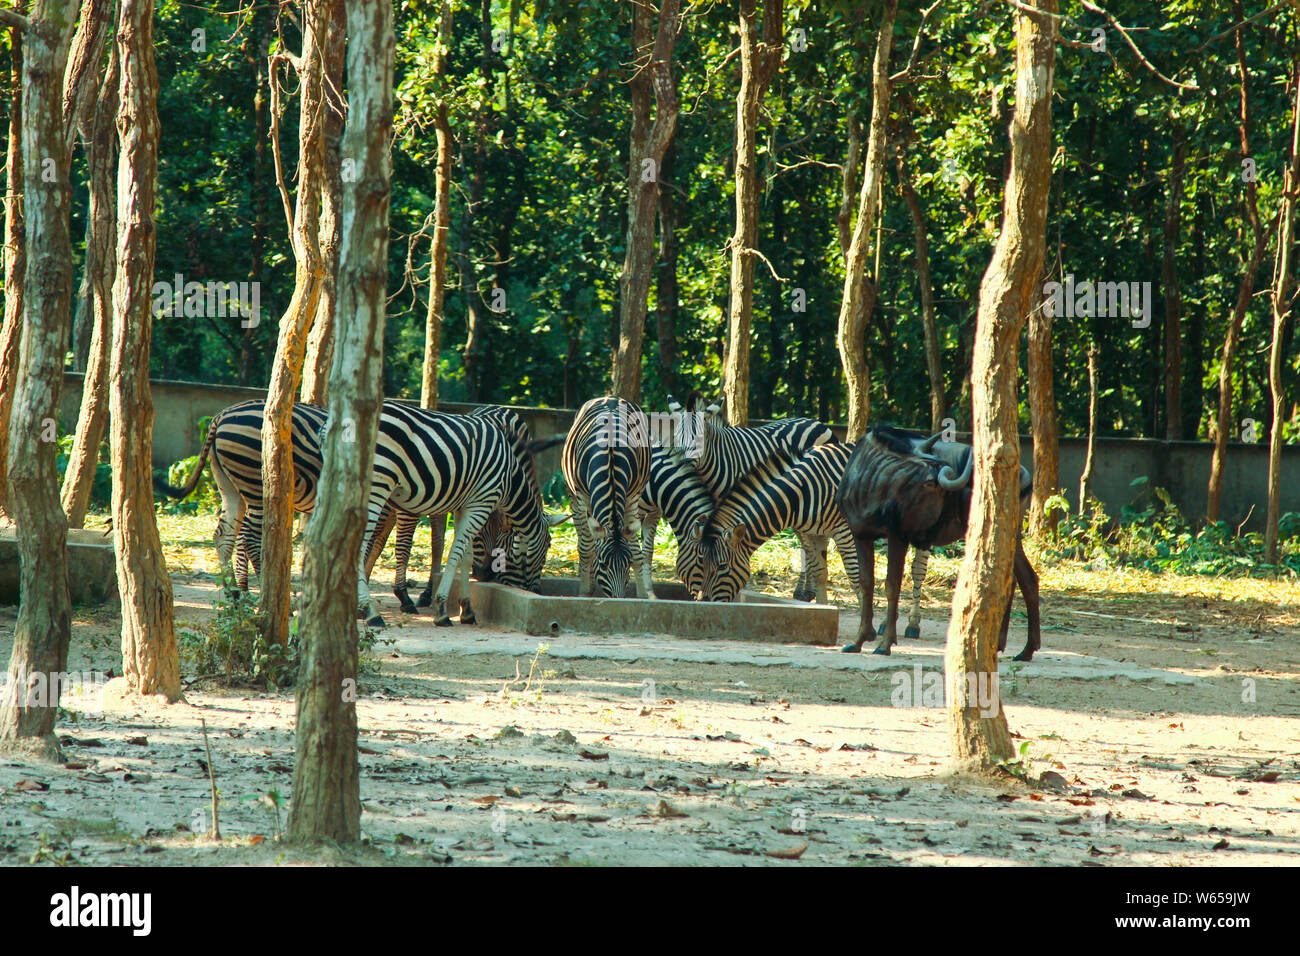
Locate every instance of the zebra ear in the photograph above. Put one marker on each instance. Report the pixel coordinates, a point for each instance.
(697, 529)
(598, 529)
(735, 534)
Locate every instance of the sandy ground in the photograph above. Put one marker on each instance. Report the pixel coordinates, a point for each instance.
(1168, 738)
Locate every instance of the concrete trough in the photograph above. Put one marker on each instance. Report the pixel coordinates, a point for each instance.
(92, 569)
(558, 610)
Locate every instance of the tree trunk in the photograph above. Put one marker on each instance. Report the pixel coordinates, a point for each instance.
(1043, 422)
(1281, 310)
(1223, 420)
(652, 82)
(257, 46)
(326, 781)
(1010, 288)
(854, 306)
(1085, 479)
(291, 345)
(15, 254)
(759, 61)
(43, 628)
(149, 655)
(80, 95)
(933, 357)
(1173, 298)
(320, 344)
(666, 290)
(441, 225)
(101, 157)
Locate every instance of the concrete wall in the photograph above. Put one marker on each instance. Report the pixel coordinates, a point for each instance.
(1183, 468)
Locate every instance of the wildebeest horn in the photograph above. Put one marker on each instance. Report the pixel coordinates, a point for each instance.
(928, 445)
(946, 480)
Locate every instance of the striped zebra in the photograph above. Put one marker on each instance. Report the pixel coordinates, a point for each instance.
(432, 463)
(494, 542)
(802, 498)
(729, 454)
(606, 464)
(234, 448)
(675, 491)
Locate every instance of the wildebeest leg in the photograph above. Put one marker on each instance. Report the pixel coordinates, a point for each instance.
(893, 585)
(1006, 622)
(866, 551)
(1027, 579)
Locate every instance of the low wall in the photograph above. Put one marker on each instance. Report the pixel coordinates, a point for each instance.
(1183, 468)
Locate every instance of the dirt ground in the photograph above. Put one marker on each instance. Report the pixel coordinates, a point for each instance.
(1159, 735)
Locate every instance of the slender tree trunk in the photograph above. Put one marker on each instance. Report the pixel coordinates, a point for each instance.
(472, 357)
(441, 227)
(759, 61)
(933, 357)
(652, 83)
(320, 344)
(1223, 420)
(666, 294)
(1085, 479)
(1173, 298)
(149, 654)
(101, 158)
(1281, 311)
(326, 780)
(257, 45)
(1011, 287)
(855, 304)
(291, 346)
(43, 628)
(1043, 422)
(15, 255)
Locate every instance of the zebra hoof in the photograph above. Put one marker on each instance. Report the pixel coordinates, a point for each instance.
(851, 649)
(375, 621)
(802, 595)
(425, 599)
(444, 621)
(409, 608)
(468, 618)
(912, 633)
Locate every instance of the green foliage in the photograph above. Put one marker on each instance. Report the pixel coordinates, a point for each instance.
(231, 647)
(101, 489)
(1153, 535)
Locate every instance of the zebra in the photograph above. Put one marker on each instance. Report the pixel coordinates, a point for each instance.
(675, 491)
(606, 464)
(493, 543)
(432, 463)
(234, 447)
(729, 454)
(801, 498)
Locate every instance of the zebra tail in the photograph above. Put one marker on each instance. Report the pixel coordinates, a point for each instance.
(541, 444)
(161, 486)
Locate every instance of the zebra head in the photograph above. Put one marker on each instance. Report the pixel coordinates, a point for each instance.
(691, 557)
(726, 563)
(612, 559)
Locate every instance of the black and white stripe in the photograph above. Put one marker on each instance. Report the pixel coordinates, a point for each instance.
(802, 499)
(730, 454)
(675, 491)
(606, 465)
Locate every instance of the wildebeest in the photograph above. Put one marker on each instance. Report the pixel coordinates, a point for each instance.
(897, 487)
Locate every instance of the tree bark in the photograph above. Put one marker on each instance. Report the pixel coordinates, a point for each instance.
(101, 157)
(653, 82)
(320, 344)
(149, 655)
(759, 61)
(291, 344)
(15, 254)
(1173, 298)
(441, 225)
(854, 304)
(1043, 422)
(666, 287)
(326, 781)
(1223, 420)
(1010, 288)
(933, 357)
(1281, 311)
(1085, 479)
(43, 628)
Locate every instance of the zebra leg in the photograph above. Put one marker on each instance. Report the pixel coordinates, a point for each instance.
(920, 560)
(241, 558)
(231, 520)
(649, 528)
(632, 522)
(468, 523)
(365, 606)
(805, 588)
(250, 532)
(437, 530)
(406, 523)
(586, 545)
